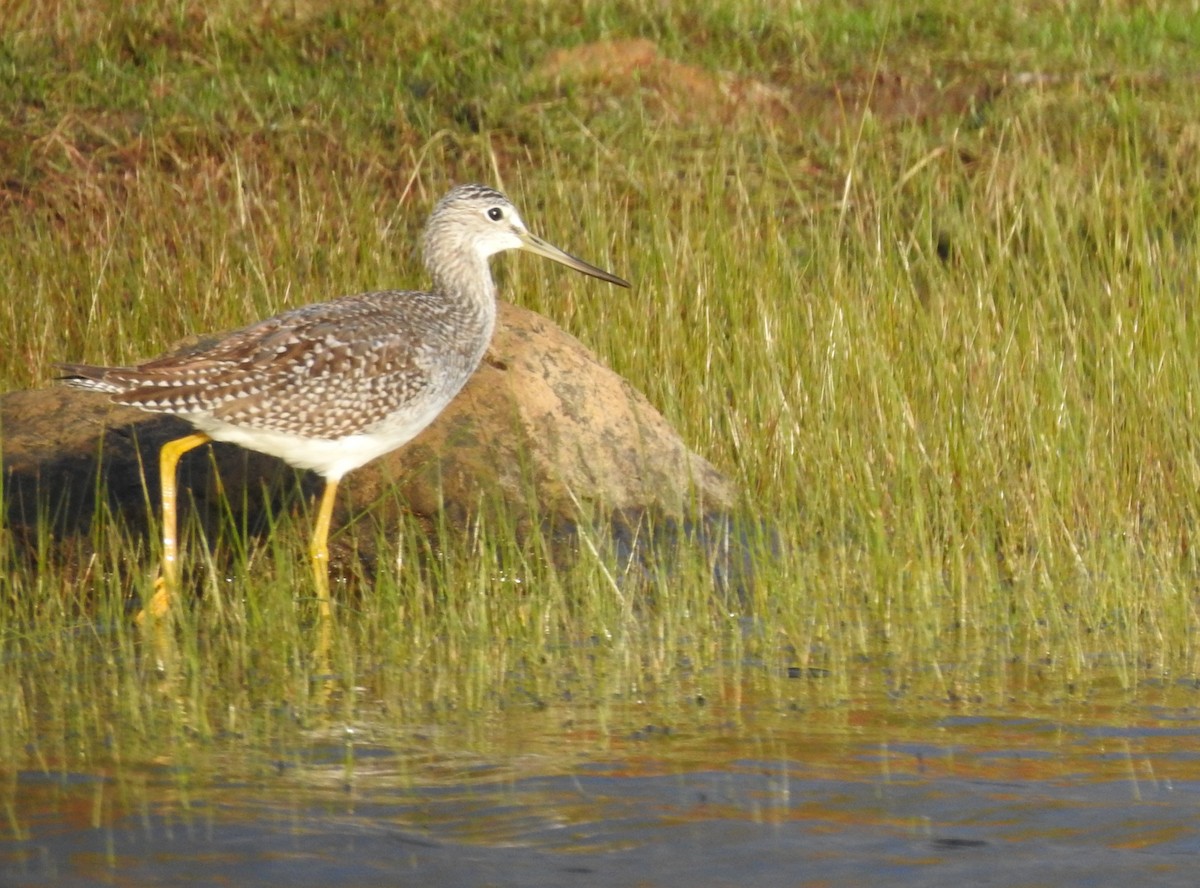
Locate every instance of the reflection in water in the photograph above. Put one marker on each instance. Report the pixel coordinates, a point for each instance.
(950, 800)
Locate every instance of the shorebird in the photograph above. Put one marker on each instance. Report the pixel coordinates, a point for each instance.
(331, 386)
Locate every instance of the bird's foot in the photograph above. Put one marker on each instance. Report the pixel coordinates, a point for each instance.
(158, 607)
(154, 619)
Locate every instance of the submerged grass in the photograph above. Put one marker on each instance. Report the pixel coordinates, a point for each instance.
(921, 283)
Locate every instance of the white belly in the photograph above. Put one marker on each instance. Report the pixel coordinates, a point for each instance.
(330, 457)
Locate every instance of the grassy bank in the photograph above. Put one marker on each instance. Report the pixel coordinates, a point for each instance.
(923, 283)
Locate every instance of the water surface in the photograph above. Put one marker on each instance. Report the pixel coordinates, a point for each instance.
(1080, 796)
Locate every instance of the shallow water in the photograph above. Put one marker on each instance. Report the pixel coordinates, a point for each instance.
(1083, 796)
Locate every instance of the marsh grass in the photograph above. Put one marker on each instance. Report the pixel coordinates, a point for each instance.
(950, 360)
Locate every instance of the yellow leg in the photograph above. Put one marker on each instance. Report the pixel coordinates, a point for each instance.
(169, 458)
(319, 551)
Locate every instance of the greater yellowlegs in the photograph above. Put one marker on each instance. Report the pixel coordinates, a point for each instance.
(331, 386)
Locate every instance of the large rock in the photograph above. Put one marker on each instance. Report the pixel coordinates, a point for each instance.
(543, 433)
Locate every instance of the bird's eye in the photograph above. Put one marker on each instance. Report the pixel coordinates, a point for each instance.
(495, 214)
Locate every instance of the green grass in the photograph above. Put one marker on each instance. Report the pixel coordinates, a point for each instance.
(950, 357)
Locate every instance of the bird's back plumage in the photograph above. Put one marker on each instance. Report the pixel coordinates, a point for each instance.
(326, 371)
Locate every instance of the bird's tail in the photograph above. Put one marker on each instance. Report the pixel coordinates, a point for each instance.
(87, 376)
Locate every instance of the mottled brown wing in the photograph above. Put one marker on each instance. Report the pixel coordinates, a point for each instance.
(323, 371)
